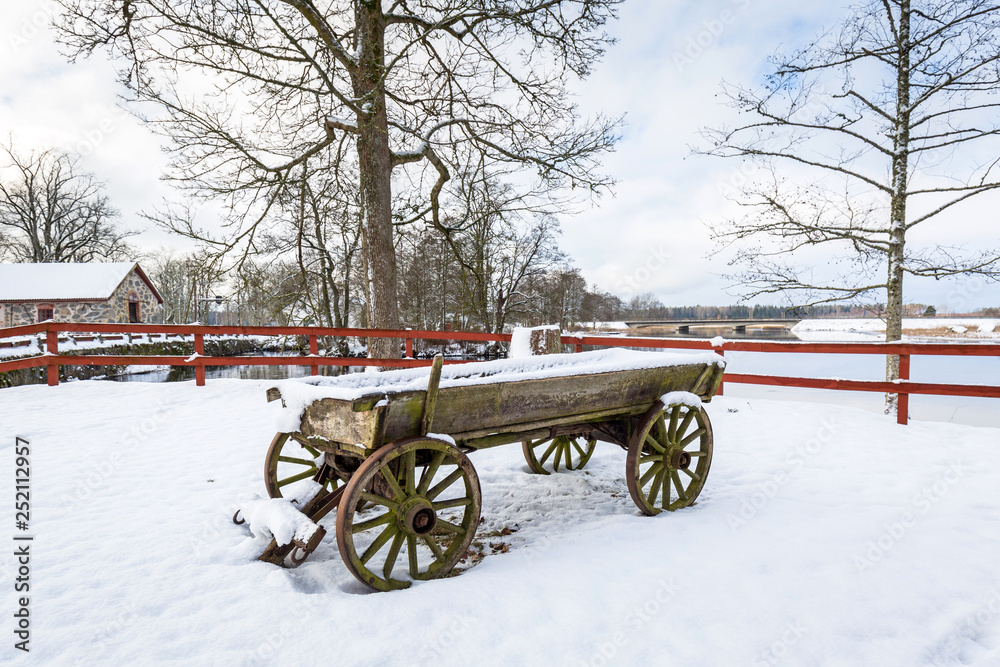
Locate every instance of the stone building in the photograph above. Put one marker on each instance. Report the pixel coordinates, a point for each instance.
(115, 293)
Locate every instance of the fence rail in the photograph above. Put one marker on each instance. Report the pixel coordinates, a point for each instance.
(52, 359)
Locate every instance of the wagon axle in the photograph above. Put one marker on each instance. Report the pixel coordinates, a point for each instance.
(416, 516)
(680, 460)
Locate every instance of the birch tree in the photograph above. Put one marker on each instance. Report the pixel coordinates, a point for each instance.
(405, 93)
(882, 125)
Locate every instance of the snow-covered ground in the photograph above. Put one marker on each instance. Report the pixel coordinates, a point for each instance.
(826, 535)
(914, 328)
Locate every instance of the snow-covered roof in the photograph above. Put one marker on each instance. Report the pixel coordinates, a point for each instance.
(65, 282)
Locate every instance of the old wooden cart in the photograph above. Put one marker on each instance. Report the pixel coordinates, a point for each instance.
(390, 450)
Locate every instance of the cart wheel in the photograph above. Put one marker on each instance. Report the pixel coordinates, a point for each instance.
(572, 453)
(424, 495)
(289, 461)
(669, 455)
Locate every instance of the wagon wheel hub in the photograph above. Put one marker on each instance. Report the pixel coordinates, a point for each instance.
(680, 460)
(416, 516)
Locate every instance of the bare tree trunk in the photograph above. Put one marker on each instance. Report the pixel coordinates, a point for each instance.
(897, 229)
(375, 162)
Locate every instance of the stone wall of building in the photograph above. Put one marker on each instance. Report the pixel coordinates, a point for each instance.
(114, 310)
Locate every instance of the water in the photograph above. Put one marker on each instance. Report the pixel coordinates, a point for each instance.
(184, 373)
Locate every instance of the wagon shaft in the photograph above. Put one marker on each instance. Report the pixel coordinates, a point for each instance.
(296, 551)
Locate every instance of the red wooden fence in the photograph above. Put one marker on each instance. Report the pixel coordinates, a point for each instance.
(52, 360)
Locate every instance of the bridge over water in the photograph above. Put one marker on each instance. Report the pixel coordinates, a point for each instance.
(738, 326)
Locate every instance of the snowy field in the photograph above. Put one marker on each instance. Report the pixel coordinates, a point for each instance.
(826, 535)
(965, 329)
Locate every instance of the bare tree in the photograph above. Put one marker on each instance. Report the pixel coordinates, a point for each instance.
(500, 241)
(267, 294)
(184, 282)
(558, 297)
(430, 284)
(893, 117)
(404, 93)
(50, 211)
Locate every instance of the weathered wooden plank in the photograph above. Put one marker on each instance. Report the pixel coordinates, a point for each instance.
(476, 411)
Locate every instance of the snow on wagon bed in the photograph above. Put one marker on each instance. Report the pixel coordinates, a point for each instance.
(364, 388)
(398, 441)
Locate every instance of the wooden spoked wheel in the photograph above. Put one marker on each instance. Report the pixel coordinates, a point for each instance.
(669, 455)
(289, 461)
(568, 452)
(424, 509)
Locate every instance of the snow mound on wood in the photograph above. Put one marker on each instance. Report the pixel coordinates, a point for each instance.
(277, 518)
(520, 340)
(682, 398)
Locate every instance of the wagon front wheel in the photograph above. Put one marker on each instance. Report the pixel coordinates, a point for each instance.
(424, 507)
(669, 456)
(548, 455)
(288, 461)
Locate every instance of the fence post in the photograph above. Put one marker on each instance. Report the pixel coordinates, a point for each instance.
(199, 369)
(409, 348)
(52, 348)
(578, 347)
(314, 351)
(903, 399)
(719, 351)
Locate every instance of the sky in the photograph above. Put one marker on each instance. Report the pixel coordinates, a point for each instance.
(663, 74)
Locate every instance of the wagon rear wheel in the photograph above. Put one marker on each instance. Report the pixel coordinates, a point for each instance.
(289, 461)
(669, 456)
(425, 507)
(566, 452)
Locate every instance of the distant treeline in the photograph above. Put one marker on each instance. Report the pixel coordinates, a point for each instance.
(648, 307)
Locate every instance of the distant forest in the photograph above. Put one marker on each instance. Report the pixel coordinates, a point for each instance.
(648, 307)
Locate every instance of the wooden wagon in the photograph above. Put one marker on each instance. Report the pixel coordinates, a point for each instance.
(390, 451)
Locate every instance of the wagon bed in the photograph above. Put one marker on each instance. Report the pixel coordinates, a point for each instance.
(373, 440)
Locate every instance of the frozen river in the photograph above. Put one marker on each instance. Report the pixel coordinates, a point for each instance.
(949, 370)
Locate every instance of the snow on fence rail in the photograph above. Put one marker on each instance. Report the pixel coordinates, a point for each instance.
(52, 360)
